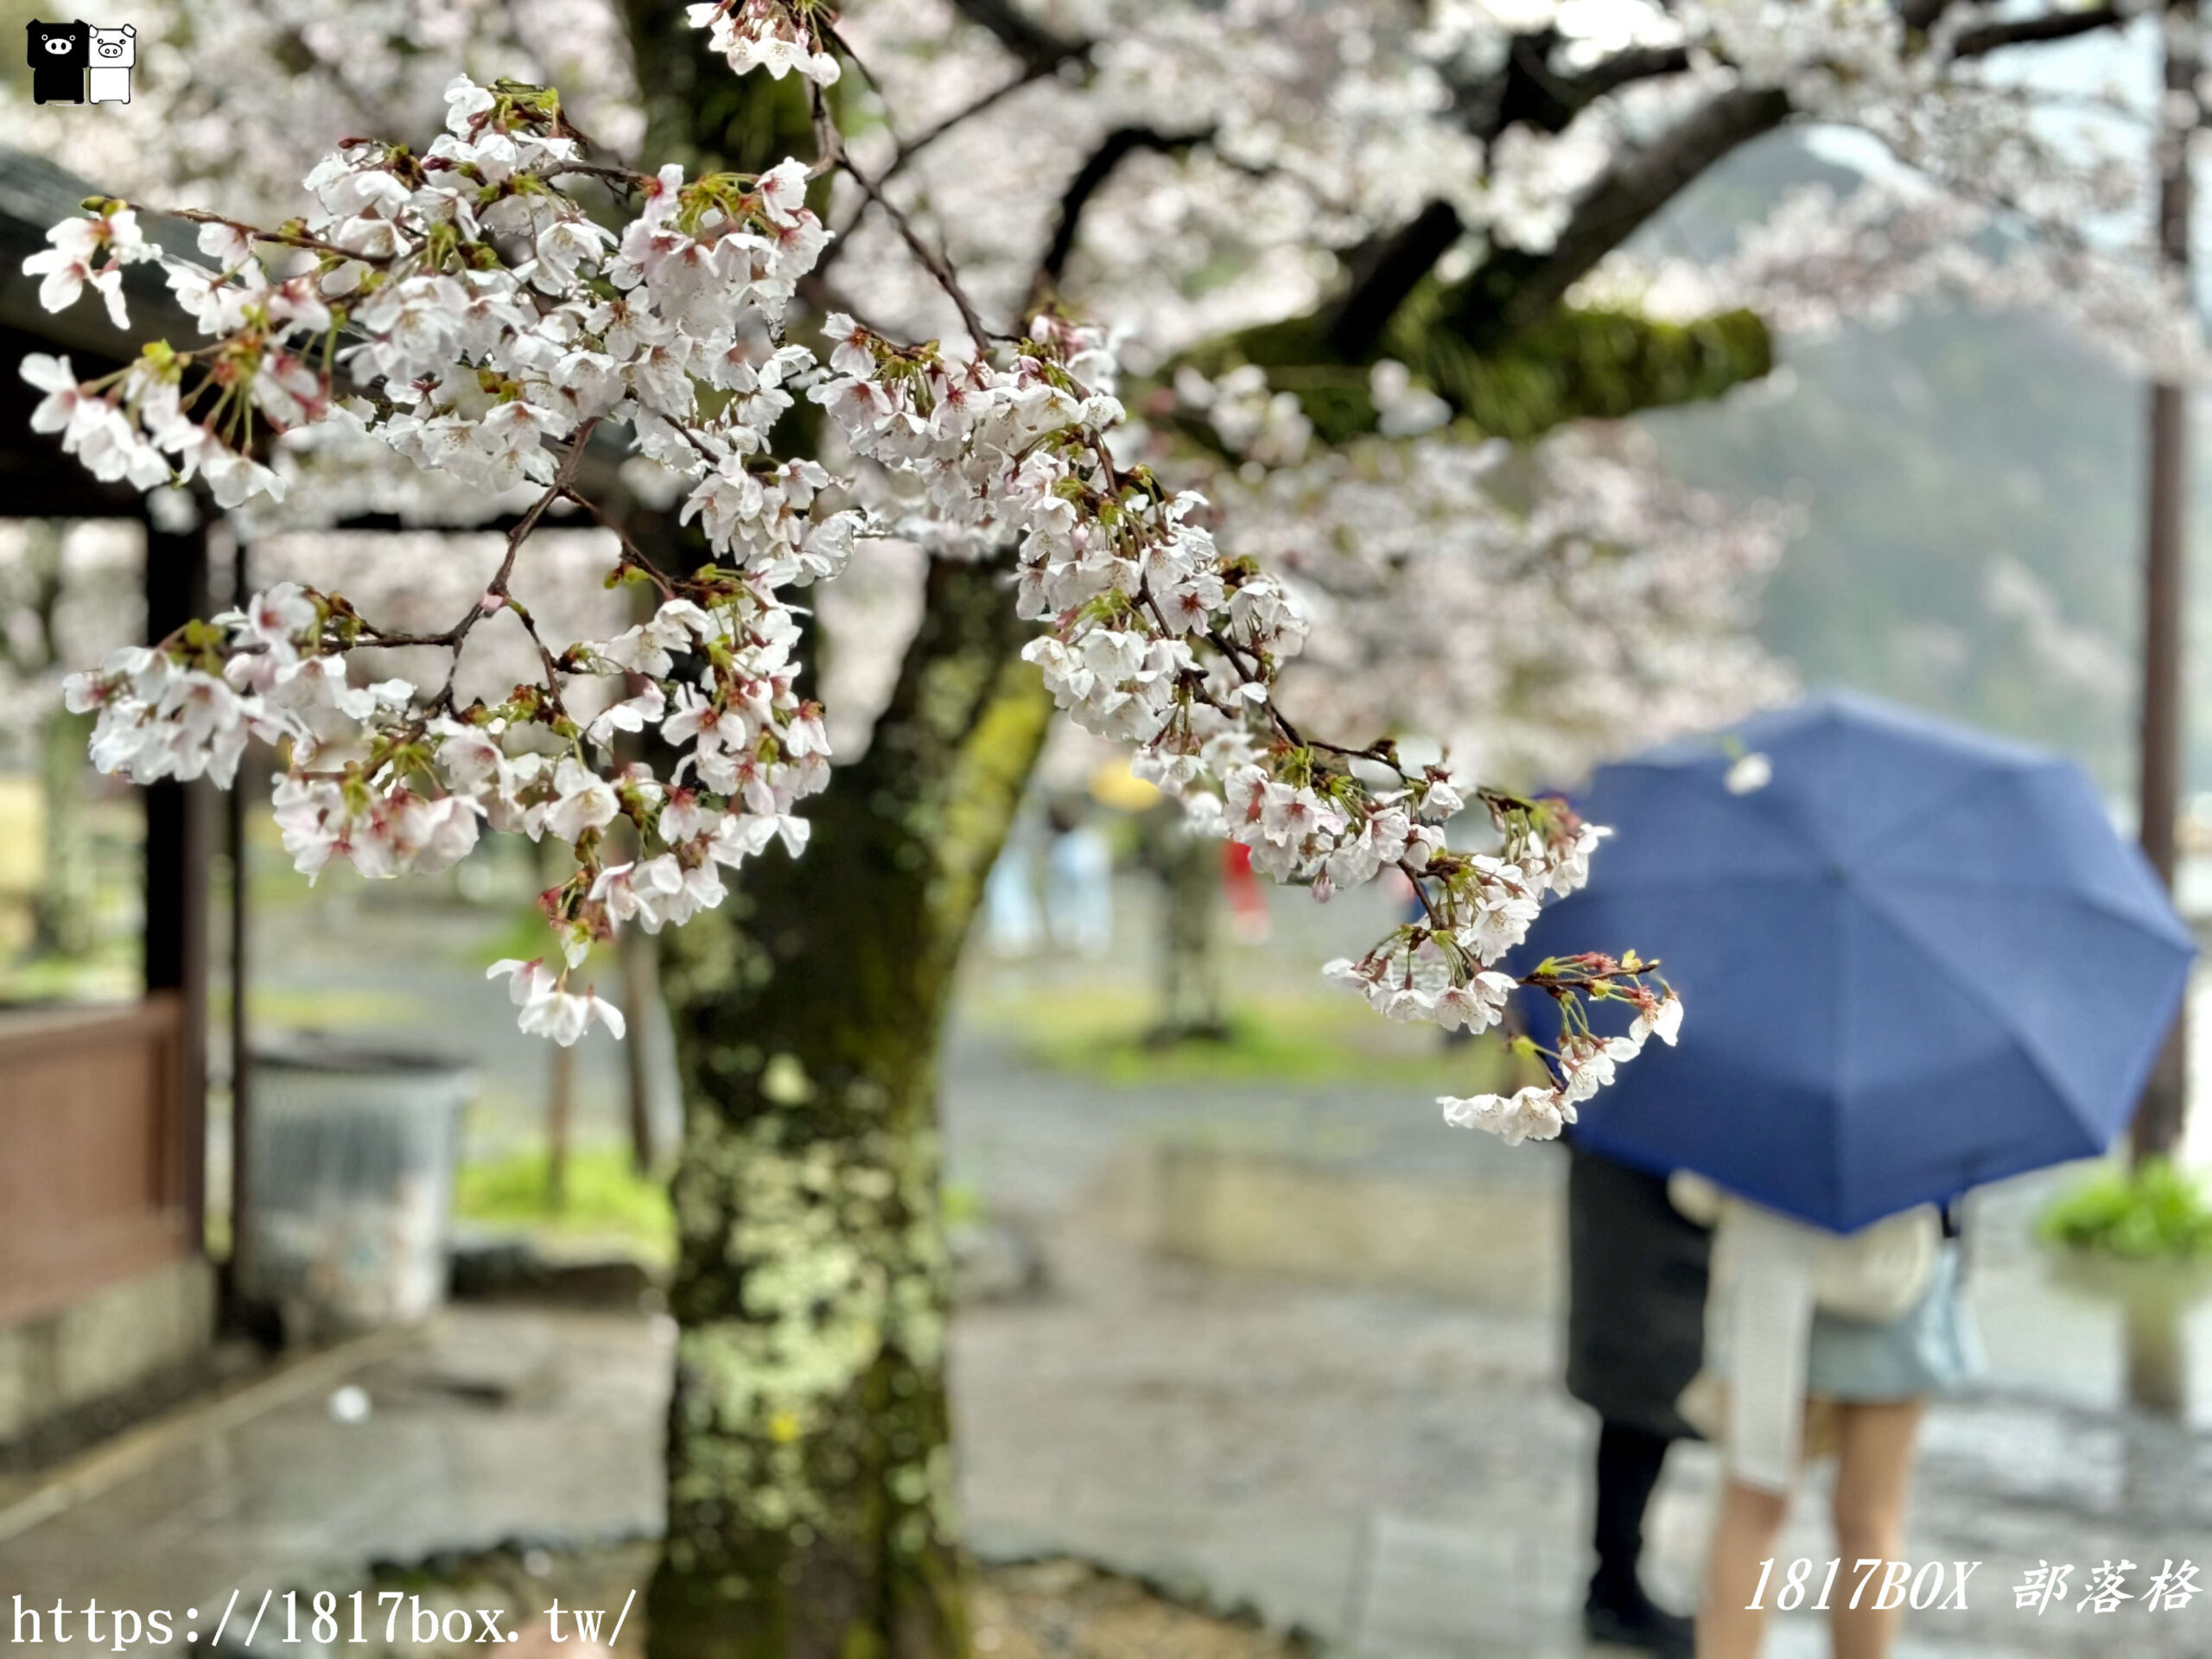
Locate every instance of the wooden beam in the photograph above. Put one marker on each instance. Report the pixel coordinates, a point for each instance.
(239, 1271)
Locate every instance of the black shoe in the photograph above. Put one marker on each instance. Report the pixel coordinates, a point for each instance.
(1640, 1625)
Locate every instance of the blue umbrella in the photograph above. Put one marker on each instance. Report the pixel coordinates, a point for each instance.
(1916, 958)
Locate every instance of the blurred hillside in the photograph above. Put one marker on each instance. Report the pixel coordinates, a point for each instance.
(1970, 485)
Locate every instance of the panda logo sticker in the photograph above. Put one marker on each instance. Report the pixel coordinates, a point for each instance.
(71, 62)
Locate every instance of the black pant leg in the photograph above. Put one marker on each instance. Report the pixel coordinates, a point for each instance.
(1628, 1460)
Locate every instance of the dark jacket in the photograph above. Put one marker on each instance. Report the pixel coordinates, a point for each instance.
(1636, 1295)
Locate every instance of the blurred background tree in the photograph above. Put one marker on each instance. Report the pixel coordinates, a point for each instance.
(65, 591)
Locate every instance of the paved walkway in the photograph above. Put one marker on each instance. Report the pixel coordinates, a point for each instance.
(1391, 1461)
(496, 1425)
(1386, 1458)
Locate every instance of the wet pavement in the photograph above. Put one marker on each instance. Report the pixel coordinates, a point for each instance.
(1295, 1346)
(492, 1425)
(1386, 1459)
(1394, 1464)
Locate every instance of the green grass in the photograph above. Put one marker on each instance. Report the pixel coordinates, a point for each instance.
(341, 1007)
(110, 973)
(2157, 1210)
(961, 1202)
(1287, 1041)
(607, 1198)
(519, 930)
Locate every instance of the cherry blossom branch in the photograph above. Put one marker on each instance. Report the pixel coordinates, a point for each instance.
(497, 366)
(628, 178)
(1132, 590)
(283, 235)
(496, 594)
(497, 589)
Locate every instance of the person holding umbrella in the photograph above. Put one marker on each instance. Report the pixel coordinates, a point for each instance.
(1817, 1344)
(1635, 1331)
(1912, 959)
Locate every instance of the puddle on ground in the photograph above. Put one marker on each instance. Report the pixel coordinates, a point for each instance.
(2050, 1332)
(1497, 1243)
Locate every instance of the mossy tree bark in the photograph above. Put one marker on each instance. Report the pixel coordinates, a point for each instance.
(809, 1446)
(810, 1468)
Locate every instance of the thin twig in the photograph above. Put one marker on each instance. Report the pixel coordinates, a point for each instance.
(830, 147)
(544, 654)
(922, 140)
(455, 637)
(633, 555)
(905, 151)
(284, 238)
(939, 269)
(628, 177)
(1420, 892)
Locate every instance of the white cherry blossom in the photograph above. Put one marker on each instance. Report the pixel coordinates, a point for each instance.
(392, 314)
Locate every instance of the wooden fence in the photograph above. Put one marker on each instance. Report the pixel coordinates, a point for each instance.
(94, 1182)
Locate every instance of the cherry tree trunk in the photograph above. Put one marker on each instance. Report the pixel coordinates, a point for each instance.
(809, 1441)
(809, 1450)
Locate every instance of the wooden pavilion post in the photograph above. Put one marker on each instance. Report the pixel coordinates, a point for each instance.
(179, 833)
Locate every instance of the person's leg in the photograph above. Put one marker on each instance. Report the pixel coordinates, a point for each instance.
(1616, 1610)
(1728, 1627)
(1628, 1460)
(1873, 1478)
